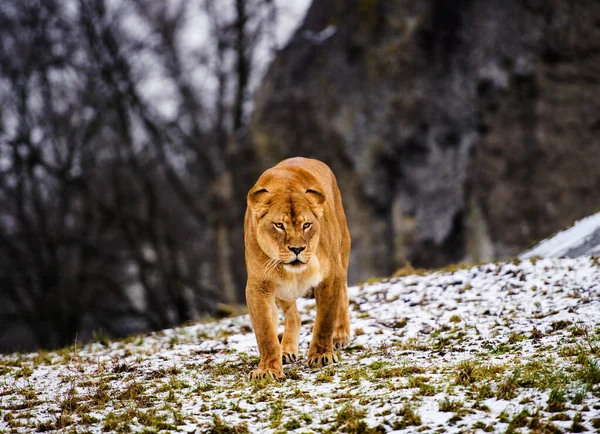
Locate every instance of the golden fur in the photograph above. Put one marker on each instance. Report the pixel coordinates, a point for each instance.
(296, 238)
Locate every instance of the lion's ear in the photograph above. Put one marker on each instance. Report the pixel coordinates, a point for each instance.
(315, 196)
(257, 197)
(316, 199)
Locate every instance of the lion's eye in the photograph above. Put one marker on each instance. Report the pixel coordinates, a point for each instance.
(306, 225)
(278, 225)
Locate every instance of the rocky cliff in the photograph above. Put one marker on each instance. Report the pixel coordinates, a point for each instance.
(458, 130)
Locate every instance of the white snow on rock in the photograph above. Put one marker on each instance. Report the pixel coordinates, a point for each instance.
(318, 38)
(502, 346)
(583, 238)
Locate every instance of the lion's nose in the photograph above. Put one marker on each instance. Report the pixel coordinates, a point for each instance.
(296, 250)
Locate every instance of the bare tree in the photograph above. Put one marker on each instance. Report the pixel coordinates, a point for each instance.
(108, 216)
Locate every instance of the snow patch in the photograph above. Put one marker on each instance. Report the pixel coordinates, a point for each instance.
(583, 238)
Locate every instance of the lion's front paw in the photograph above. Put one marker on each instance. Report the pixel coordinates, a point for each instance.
(288, 358)
(322, 360)
(261, 373)
(341, 340)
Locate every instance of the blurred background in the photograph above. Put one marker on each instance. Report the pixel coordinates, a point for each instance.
(131, 131)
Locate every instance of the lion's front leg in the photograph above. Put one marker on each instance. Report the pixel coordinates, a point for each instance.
(261, 306)
(327, 295)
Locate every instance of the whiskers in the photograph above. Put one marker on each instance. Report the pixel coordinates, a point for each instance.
(270, 266)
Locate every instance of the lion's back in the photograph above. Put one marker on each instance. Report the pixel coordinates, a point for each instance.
(316, 167)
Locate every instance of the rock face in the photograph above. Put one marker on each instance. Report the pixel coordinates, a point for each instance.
(581, 239)
(458, 130)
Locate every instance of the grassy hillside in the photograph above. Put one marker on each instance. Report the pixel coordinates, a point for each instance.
(511, 347)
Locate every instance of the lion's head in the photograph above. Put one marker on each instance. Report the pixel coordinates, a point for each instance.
(287, 224)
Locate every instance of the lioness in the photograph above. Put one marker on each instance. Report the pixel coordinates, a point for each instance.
(296, 238)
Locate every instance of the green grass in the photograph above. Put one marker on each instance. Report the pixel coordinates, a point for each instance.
(466, 372)
(409, 417)
(552, 373)
(557, 402)
(218, 426)
(450, 405)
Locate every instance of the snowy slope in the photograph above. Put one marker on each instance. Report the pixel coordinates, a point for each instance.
(583, 238)
(511, 346)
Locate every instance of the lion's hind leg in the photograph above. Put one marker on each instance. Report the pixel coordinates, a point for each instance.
(341, 330)
(291, 333)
